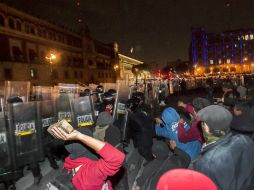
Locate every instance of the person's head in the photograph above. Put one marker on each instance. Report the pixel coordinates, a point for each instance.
(160, 149)
(170, 116)
(200, 103)
(108, 98)
(14, 99)
(99, 89)
(184, 179)
(241, 107)
(77, 149)
(215, 122)
(227, 86)
(104, 119)
(182, 101)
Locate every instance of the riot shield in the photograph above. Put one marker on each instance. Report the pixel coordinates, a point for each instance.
(83, 112)
(71, 89)
(40, 93)
(63, 108)
(17, 88)
(47, 118)
(25, 132)
(8, 165)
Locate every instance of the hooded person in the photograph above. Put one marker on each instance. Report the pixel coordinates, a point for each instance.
(183, 179)
(90, 171)
(195, 132)
(105, 130)
(167, 127)
(227, 159)
(164, 160)
(243, 119)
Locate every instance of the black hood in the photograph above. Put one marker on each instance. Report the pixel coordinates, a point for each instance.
(243, 123)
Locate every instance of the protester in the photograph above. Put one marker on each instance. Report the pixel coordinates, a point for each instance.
(163, 162)
(89, 173)
(209, 89)
(242, 90)
(230, 95)
(140, 128)
(226, 159)
(195, 132)
(184, 179)
(243, 119)
(106, 131)
(167, 127)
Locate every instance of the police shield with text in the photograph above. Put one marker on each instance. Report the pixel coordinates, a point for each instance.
(25, 136)
(83, 112)
(47, 118)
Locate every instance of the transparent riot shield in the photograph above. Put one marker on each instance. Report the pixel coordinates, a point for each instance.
(17, 88)
(71, 89)
(47, 118)
(63, 108)
(40, 93)
(25, 132)
(83, 110)
(7, 164)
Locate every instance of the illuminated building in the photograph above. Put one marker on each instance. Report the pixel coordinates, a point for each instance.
(28, 43)
(229, 49)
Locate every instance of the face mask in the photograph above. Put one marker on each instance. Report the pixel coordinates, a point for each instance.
(209, 138)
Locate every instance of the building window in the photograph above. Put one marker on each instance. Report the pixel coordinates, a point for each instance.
(2, 20)
(26, 28)
(55, 74)
(11, 23)
(17, 53)
(18, 25)
(251, 37)
(90, 62)
(32, 55)
(81, 74)
(42, 56)
(8, 74)
(32, 30)
(75, 74)
(33, 73)
(246, 37)
(211, 62)
(228, 60)
(66, 74)
(220, 61)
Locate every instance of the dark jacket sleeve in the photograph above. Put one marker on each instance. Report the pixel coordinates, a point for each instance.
(184, 158)
(148, 172)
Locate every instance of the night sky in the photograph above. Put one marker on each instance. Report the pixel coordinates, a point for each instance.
(158, 30)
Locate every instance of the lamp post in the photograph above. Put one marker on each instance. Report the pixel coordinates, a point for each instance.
(51, 58)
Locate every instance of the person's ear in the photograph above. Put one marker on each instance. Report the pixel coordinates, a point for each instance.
(205, 127)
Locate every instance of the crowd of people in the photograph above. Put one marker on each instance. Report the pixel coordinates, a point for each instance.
(203, 144)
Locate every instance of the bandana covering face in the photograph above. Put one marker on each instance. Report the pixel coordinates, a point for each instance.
(209, 138)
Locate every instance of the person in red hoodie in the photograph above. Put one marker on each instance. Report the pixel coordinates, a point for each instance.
(89, 172)
(194, 133)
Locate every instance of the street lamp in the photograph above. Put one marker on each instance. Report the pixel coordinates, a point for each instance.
(116, 67)
(51, 58)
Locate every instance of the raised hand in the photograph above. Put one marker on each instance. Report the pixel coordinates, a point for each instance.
(60, 134)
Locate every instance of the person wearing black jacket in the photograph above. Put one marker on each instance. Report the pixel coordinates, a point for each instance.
(243, 119)
(140, 127)
(164, 161)
(230, 95)
(227, 159)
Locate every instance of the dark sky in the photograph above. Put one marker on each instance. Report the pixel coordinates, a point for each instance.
(158, 30)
